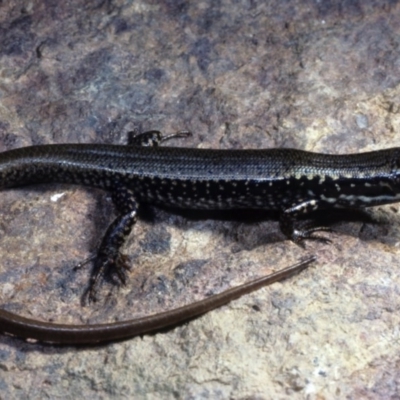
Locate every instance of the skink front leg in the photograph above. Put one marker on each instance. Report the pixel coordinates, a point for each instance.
(288, 223)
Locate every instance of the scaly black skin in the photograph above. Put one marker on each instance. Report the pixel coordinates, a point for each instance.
(290, 181)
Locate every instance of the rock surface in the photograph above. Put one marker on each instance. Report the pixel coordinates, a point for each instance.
(321, 76)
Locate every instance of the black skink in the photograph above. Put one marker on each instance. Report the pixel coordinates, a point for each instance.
(291, 181)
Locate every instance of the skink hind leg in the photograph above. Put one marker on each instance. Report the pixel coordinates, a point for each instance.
(153, 138)
(110, 263)
(301, 232)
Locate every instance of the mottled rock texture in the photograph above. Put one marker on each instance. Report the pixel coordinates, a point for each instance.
(316, 75)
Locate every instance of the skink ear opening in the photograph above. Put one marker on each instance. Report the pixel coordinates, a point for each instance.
(395, 170)
(395, 164)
